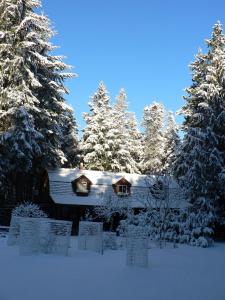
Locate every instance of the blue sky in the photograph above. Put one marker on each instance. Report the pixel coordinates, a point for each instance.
(143, 46)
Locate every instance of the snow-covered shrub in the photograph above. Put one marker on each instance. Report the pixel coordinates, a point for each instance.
(190, 228)
(184, 239)
(204, 242)
(136, 223)
(181, 227)
(30, 210)
(112, 206)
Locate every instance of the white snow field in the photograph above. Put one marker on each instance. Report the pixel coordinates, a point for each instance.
(184, 273)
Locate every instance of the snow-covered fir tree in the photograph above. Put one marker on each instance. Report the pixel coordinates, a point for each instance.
(22, 139)
(171, 143)
(126, 148)
(70, 145)
(31, 89)
(153, 123)
(98, 138)
(106, 144)
(199, 167)
(121, 103)
(135, 139)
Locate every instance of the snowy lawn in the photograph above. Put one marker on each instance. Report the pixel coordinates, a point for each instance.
(185, 273)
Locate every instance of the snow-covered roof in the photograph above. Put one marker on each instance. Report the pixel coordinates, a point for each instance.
(97, 177)
(62, 192)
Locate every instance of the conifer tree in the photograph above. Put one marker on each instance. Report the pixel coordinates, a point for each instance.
(32, 87)
(121, 103)
(107, 137)
(98, 138)
(153, 123)
(171, 143)
(70, 145)
(126, 136)
(200, 163)
(135, 139)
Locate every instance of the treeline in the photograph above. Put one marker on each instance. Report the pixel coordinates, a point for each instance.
(112, 142)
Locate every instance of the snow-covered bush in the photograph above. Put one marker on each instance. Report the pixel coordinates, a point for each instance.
(189, 228)
(30, 210)
(204, 242)
(134, 222)
(111, 207)
(180, 227)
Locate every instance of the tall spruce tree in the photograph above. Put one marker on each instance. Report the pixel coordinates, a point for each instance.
(200, 164)
(31, 90)
(135, 139)
(171, 143)
(98, 137)
(153, 123)
(125, 135)
(70, 144)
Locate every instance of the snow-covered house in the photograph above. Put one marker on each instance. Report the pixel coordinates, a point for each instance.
(74, 190)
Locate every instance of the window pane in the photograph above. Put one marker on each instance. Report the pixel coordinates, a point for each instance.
(122, 189)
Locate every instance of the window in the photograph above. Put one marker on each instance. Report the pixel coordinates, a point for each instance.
(122, 190)
(82, 187)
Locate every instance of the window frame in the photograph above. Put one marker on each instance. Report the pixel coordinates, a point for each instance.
(123, 192)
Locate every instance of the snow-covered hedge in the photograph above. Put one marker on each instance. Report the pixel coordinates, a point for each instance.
(28, 209)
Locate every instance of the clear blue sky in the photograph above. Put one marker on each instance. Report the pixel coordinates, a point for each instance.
(144, 46)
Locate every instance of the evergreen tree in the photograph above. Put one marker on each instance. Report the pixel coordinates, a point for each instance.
(135, 139)
(153, 123)
(106, 141)
(98, 137)
(121, 104)
(70, 146)
(200, 163)
(172, 143)
(126, 136)
(31, 89)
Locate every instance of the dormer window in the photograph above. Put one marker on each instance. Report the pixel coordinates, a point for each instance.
(122, 187)
(81, 186)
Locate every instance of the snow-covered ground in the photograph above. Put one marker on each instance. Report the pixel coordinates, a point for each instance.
(184, 273)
